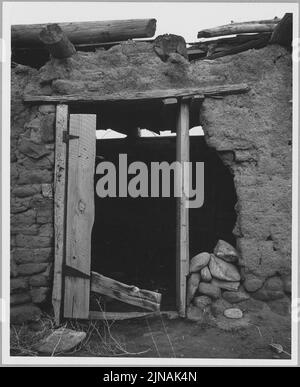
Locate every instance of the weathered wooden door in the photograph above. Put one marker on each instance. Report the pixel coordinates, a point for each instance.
(81, 140)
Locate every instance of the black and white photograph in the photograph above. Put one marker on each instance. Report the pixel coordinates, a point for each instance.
(150, 185)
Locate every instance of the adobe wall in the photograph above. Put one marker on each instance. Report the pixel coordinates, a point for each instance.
(252, 133)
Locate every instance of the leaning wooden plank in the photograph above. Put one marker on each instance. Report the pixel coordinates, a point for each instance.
(56, 42)
(94, 315)
(139, 96)
(129, 294)
(238, 28)
(80, 214)
(87, 32)
(59, 207)
(283, 33)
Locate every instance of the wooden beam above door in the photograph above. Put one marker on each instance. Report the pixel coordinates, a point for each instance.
(134, 96)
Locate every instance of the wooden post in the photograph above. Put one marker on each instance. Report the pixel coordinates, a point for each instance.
(57, 42)
(182, 226)
(59, 208)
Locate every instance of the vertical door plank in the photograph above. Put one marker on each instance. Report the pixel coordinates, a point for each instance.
(182, 237)
(59, 207)
(80, 214)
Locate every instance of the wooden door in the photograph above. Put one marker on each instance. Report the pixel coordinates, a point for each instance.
(81, 141)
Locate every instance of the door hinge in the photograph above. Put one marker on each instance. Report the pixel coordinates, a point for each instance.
(67, 136)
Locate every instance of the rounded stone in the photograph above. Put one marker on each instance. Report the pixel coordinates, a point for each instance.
(219, 306)
(209, 290)
(202, 301)
(252, 283)
(205, 274)
(199, 261)
(223, 270)
(234, 297)
(274, 284)
(225, 251)
(233, 313)
(194, 314)
(192, 286)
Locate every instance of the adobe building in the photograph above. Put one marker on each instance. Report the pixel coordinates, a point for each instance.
(68, 245)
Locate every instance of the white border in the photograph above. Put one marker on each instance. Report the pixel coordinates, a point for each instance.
(7, 359)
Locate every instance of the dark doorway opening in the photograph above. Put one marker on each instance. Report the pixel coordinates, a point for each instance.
(216, 218)
(134, 239)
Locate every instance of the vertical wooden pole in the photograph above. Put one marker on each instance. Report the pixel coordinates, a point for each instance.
(59, 207)
(182, 226)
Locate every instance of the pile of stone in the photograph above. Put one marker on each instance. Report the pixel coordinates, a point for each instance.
(214, 281)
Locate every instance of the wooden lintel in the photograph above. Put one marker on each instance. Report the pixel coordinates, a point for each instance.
(139, 96)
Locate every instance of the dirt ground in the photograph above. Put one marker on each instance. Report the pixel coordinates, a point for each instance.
(247, 338)
(164, 337)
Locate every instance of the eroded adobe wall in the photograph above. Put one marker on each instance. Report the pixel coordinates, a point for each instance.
(252, 133)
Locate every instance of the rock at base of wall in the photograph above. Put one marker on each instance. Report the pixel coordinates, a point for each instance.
(226, 285)
(205, 274)
(192, 286)
(199, 261)
(194, 314)
(233, 313)
(252, 283)
(24, 313)
(209, 290)
(274, 283)
(225, 251)
(223, 270)
(61, 341)
(234, 297)
(267, 295)
(219, 306)
(202, 302)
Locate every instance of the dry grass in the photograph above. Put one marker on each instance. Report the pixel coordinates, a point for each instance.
(100, 340)
(23, 339)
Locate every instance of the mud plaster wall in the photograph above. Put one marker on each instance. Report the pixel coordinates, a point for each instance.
(251, 132)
